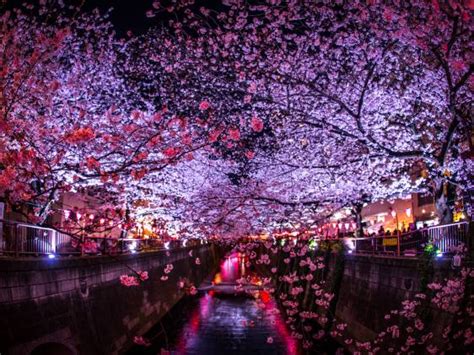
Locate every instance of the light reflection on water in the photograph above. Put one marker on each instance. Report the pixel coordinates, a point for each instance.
(234, 324)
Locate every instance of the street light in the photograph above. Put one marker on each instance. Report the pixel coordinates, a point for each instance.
(395, 216)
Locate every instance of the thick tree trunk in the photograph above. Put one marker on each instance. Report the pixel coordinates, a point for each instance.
(357, 213)
(443, 210)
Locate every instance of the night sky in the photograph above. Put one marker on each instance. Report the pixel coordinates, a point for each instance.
(131, 14)
(127, 15)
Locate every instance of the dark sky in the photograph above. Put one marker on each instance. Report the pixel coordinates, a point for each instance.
(131, 14)
(127, 14)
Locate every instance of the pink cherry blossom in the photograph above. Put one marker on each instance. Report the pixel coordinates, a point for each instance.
(256, 124)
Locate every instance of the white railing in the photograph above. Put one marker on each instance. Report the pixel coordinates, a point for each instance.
(447, 236)
(17, 238)
(444, 237)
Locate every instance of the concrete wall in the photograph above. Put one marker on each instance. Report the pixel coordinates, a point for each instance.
(80, 303)
(371, 287)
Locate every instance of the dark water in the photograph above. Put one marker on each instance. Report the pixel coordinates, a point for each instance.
(219, 321)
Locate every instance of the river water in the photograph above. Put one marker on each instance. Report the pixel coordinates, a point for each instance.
(220, 321)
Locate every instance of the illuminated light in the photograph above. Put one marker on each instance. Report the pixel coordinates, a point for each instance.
(91, 216)
(51, 256)
(439, 253)
(111, 223)
(167, 245)
(350, 251)
(408, 212)
(265, 296)
(334, 225)
(340, 225)
(132, 247)
(423, 211)
(67, 213)
(350, 244)
(78, 215)
(354, 226)
(185, 241)
(102, 221)
(346, 225)
(217, 279)
(393, 213)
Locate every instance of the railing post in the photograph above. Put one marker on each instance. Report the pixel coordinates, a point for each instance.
(398, 244)
(53, 241)
(15, 238)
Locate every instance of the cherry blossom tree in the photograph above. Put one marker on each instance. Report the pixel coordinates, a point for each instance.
(344, 81)
(307, 107)
(70, 120)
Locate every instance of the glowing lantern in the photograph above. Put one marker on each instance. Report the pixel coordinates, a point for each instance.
(394, 214)
(346, 226)
(408, 212)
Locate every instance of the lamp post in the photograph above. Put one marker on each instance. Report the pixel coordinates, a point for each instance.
(395, 216)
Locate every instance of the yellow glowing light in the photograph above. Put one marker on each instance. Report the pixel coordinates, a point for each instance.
(217, 278)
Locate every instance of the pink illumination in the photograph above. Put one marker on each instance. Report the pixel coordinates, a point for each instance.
(231, 269)
(291, 344)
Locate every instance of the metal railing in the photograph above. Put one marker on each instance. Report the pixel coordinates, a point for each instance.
(444, 237)
(21, 239)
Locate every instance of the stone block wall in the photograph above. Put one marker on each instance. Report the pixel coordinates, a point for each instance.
(81, 304)
(373, 286)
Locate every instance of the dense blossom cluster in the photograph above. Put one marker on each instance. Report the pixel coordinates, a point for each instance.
(306, 293)
(247, 117)
(239, 118)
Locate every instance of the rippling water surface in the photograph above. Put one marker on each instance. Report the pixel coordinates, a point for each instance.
(219, 321)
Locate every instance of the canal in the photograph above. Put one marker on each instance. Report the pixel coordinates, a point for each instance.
(223, 318)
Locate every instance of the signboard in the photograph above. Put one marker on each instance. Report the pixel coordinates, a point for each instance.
(390, 242)
(458, 216)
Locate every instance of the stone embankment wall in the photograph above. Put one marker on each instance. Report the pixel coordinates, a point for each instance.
(78, 304)
(373, 286)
